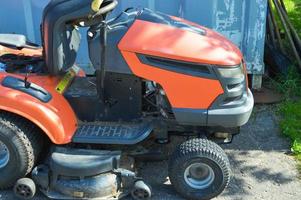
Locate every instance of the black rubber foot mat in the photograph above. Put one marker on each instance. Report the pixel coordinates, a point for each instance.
(112, 133)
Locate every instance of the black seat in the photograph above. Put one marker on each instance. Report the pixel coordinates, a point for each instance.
(82, 162)
(61, 38)
(16, 41)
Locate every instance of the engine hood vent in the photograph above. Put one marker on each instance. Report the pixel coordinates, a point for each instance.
(192, 69)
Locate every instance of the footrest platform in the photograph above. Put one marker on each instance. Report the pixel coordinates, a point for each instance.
(112, 133)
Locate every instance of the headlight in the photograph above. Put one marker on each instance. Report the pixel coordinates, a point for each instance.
(232, 72)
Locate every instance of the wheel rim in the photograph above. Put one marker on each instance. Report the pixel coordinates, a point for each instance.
(140, 194)
(4, 155)
(24, 191)
(199, 175)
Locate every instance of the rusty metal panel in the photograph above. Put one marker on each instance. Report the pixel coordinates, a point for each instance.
(242, 21)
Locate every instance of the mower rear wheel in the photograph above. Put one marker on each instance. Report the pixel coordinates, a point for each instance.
(21, 143)
(199, 169)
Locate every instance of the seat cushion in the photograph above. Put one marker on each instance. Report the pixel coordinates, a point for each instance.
(83, 162)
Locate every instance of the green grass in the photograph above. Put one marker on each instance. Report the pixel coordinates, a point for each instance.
(290, 123)
(290, 109)
(290, 87)
(291, 126)
(293, 8)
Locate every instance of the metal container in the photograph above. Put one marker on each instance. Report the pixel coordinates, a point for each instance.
(242, 21)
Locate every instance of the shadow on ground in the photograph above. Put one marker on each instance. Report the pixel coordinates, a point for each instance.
(261, 167)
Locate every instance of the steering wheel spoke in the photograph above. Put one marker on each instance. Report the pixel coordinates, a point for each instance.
(106, 7)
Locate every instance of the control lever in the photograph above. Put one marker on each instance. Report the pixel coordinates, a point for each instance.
(28, 71)
(103, 56)
(101, 73)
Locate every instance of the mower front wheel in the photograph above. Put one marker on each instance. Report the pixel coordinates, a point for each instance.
(20, 144)
(199, 169)
(141, 191)
(25, 188)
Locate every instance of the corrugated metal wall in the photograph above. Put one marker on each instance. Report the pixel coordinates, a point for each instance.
(242, 21)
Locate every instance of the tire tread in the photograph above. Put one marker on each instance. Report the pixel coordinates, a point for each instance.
(196, 147)
(28, 139)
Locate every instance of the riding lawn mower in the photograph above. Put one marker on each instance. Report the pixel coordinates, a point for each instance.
(156, 77)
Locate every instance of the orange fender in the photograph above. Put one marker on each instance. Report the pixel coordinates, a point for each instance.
(56, 118)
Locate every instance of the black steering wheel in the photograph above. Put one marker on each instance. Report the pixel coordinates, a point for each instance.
(105, 7)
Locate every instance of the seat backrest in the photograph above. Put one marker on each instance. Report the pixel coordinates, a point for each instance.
(61, 38)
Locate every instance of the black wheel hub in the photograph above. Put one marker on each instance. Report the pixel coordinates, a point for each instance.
(23, 191)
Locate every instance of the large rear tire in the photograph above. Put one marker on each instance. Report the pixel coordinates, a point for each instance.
(20, 145)
(199, 169)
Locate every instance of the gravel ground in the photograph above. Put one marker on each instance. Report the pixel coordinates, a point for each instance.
(262, 168)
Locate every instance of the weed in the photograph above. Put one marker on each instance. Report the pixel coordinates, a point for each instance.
(290, 109)
(289, 85)
(290, 123)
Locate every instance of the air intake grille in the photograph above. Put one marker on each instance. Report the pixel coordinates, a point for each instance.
(193, 69)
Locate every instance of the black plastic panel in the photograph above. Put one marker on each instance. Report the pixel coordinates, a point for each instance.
(117, 28)
(83, 162)
(123, 98)
(33, 89)
(186, 116)
(123, 94)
